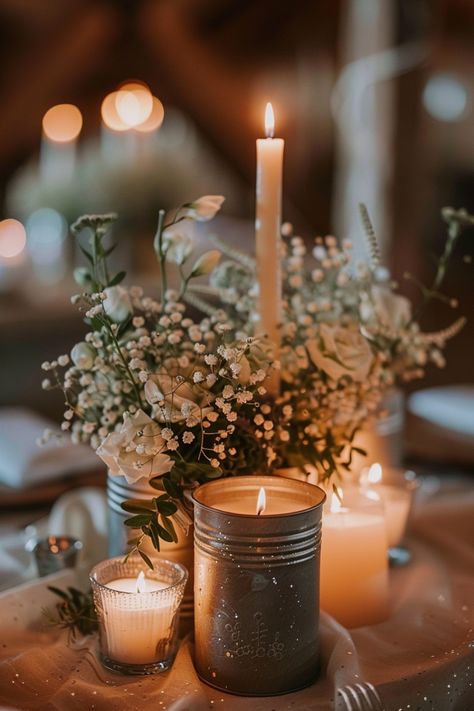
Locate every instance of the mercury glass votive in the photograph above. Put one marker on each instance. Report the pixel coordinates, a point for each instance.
(138, 612)
(54, 553)
(256, 589)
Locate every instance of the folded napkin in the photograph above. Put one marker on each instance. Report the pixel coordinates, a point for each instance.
(81, 513)
(23, 463)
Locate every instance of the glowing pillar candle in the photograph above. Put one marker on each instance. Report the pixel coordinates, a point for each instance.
(354, 572)
(268, 236)
(137, 614)
(395, 498)
(256, 584)
(62, 125)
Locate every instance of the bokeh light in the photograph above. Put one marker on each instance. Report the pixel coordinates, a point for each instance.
(445, 97)
(12, 238)
(155, 119)
(110, 115)
(62, 123)
(134, 103)
(46, 231)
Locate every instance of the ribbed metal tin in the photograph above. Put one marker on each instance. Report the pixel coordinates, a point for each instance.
(256, 587)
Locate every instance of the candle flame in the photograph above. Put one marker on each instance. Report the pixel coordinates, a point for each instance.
(141, 582)
(374, 475)
(269, 121)
(261, 501)
(336, 501)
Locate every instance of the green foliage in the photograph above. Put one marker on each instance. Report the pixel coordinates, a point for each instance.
(74, 612)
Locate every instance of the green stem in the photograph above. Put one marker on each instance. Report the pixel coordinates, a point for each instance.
(454, 232)
(125, 364)
(162, 255)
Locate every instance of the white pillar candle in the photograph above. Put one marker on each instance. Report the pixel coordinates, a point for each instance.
(396, 501)
(268, 237)
(354, 572)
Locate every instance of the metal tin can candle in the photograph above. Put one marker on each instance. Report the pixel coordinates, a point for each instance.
(257, 545)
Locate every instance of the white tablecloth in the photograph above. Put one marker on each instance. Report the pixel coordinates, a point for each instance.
(422, 657)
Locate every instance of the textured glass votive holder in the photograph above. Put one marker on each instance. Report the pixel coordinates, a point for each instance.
(256, 584)
(138, 631)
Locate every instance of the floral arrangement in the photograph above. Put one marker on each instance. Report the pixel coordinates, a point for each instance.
(178, 399)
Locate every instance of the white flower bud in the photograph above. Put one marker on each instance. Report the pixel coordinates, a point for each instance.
(206, 263)
(82, 355)
(205, 208)
(117, 304)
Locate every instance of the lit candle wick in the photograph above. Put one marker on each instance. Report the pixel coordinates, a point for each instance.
(141, 582)
(269, 121)
(261, 501)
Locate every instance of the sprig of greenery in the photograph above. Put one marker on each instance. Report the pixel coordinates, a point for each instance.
(74, 612)
(97, 277)
(153, 517)
(371, 237)
(457, 221)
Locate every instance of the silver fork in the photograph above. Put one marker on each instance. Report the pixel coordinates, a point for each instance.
(359, 697)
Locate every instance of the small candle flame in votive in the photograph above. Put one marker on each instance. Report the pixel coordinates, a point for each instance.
(141, 582)
(269, 121)
(261, 501)
(336, 501)
(374, 475)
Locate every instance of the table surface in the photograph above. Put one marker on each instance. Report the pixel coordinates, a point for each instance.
(422, 657)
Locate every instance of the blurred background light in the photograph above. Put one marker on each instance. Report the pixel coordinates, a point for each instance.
(134, 103)
(62, 123)
(110, 115)
(155, 119)
(12, 238)
(46, 233)
(445, 97)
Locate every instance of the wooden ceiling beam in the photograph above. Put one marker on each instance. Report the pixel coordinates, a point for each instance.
(50, 75)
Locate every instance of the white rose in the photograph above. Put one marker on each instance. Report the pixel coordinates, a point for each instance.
(340, 351)
(178, 242)
(206, 263)
(83, 356)
(180, 400)
(205, 208)
(117, 305)
(119, 449)
(392, 311)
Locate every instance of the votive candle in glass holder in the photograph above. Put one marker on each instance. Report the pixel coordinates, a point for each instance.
(256, 585)
(354, 566)
(395, 488)
(138, 612)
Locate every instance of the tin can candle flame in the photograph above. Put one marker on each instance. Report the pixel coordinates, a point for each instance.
(257, 584)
